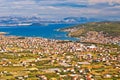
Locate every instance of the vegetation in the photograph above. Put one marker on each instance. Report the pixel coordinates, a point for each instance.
(111, 28)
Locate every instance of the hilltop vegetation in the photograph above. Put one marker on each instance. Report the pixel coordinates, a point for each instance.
(109, 28)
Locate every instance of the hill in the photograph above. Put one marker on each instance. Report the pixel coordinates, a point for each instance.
(109, 28)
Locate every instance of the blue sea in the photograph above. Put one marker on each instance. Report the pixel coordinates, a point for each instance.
(45, 31)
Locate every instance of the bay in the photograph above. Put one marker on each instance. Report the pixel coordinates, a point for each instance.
(36, 30)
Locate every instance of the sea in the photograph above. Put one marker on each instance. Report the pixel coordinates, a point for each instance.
(49, 31)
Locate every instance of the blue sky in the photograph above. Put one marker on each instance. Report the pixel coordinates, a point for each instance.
(58, 9)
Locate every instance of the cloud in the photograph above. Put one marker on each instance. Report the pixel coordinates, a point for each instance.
(104, 1)
(60, 8)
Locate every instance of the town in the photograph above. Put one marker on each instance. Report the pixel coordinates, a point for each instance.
(28, 58)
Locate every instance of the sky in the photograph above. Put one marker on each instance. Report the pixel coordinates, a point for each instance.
(58, 9)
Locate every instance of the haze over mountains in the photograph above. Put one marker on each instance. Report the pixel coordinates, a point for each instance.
(25, 21)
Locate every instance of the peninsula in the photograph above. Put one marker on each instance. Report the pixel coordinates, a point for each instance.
(96, 32)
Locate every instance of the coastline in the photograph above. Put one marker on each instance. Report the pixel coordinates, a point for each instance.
(96, 32)
(27, 37)
(67, 33)
(49, 31)
(3, 33)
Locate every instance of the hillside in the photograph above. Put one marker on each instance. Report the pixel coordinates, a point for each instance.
(109, 28)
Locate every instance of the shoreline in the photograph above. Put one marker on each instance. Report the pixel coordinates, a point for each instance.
(27, 37)
(50, 32)
(3, 33)
(58, 30)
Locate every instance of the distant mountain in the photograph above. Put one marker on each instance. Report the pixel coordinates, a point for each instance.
(24, 21)
(75, 19)
(12, 20)
(81, 19)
